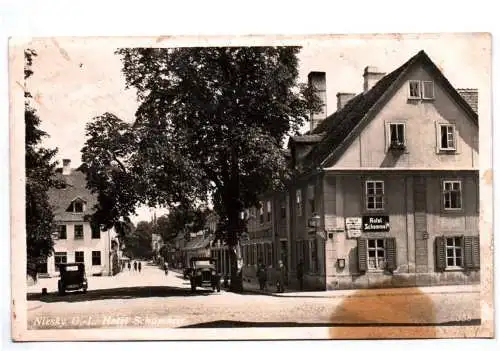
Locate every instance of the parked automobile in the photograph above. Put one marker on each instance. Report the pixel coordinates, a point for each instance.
(72, 278)
(204, 274)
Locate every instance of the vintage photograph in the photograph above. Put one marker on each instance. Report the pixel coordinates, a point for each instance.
(323, 187)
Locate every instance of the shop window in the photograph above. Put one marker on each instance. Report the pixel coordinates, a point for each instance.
(79, 257)
(374, 194)
(452, 194)
(96, 258)
(60, 257)
(78, 231)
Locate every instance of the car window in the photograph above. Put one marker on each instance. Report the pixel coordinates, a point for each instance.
(203, 264)
(72, 268)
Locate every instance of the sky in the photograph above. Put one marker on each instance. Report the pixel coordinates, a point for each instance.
(77, 79)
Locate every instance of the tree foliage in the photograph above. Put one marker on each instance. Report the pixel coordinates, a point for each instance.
(138, 243)
(40, 177)
(217, 117)
(180, 220)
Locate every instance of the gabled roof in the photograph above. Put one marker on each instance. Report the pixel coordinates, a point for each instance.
(340, 128)
(61, 198)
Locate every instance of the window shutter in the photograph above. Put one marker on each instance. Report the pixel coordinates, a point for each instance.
(476, 257)
(390, 248)
(362, 259)
(468, 252)
(440, 253)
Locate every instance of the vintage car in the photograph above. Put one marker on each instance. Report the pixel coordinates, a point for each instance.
(72, 277)
(203, 273)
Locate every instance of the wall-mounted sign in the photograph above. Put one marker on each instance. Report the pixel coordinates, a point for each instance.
(375, 223)
(353, 233)
(353, 223)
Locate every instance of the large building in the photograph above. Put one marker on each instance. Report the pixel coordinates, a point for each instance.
(387, 188)
(76, 240)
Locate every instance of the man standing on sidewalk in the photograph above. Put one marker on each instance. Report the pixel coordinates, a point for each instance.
(262, 275)
(281, 277)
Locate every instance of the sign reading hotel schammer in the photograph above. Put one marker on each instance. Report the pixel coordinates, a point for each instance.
(376, 223)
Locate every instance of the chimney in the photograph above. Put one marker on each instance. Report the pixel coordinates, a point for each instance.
(470, 96)
(371, 76)
(343, 99)
(318, 81)
(66, 166)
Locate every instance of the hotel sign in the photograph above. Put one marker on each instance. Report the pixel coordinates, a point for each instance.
(376, 223)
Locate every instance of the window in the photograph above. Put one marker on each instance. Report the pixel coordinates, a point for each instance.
(447, 141)
(261, 213)
(62, 231)
(454, 253)
(414, 89)
(96, 231)
(79, 257)
(76, 206)
(283, 209)
(269, 211)
(298, 196)
(374, 195)
(376, 254)
(60, 257)
(397, 135)
(427, 90)
(96, 258)
(78, 231)
(452, 194)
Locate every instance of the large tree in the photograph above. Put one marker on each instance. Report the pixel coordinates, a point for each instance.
(211, 122)
(40, 177)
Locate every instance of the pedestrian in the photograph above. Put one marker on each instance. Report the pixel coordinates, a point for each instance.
(261, 275)
(280, 284)
(135, 266)
(129, 266)
(300, 274)
(139, 266)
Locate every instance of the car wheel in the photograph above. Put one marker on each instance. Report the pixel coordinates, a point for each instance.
(218, 287)
(193, 286)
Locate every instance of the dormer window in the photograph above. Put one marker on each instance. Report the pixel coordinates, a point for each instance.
(76, 206)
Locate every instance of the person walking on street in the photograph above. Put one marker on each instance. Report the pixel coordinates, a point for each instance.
(262, 275)
(128, 266)
(135, 266)
(300, 274)
(281, 277)
(139, 266)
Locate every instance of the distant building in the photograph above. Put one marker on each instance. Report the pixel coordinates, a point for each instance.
(76, 240)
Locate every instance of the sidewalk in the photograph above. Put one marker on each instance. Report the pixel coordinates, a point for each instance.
(444, 289)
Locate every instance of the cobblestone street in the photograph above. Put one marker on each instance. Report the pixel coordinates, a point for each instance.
(151, 299)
